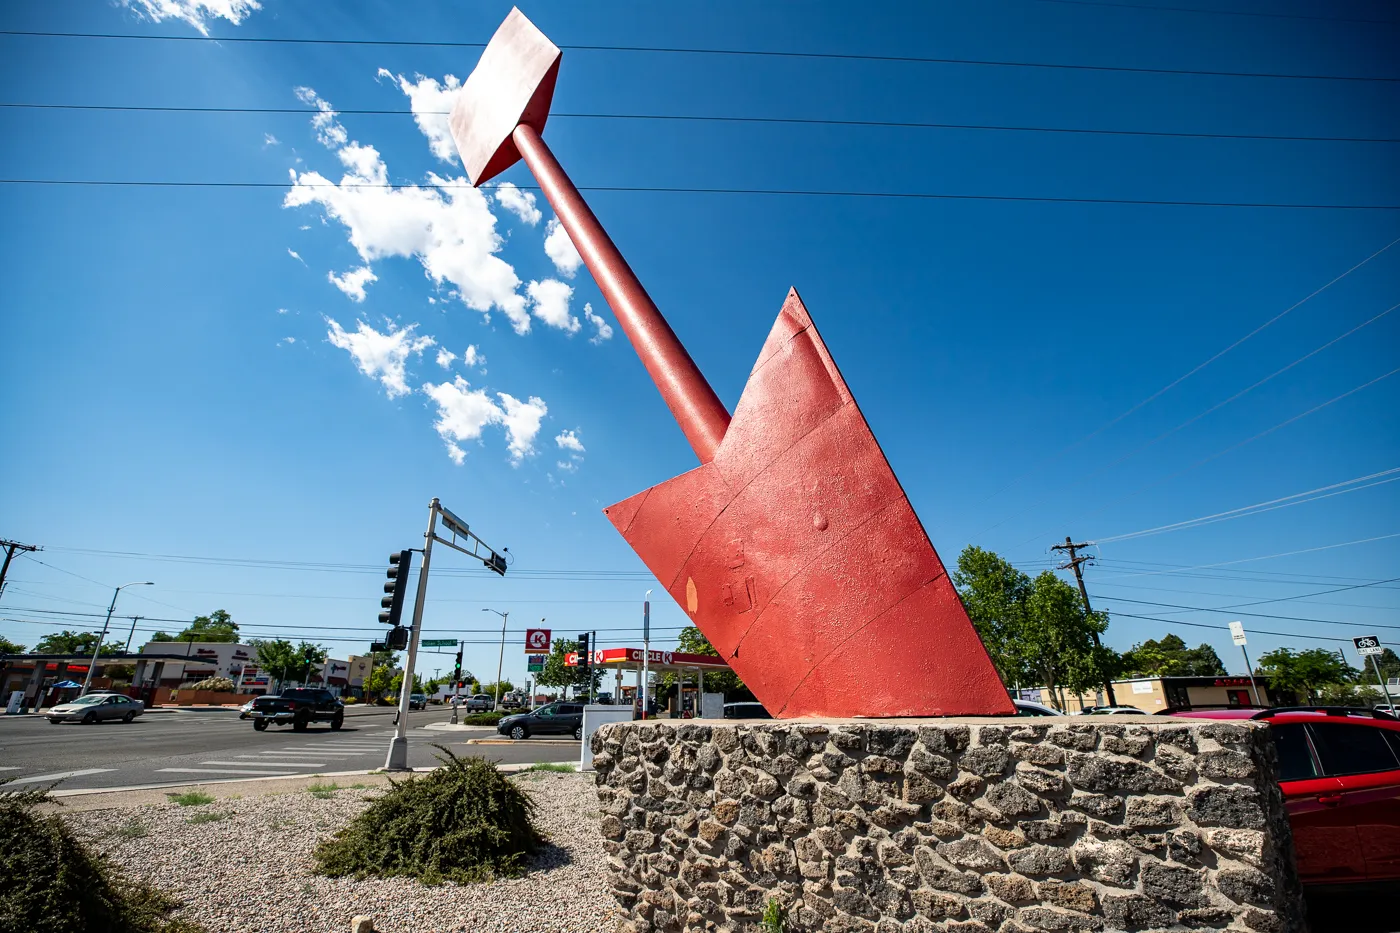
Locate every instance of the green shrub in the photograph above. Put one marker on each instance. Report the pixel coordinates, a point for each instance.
(207, 816)
(463, 822)
(220, 684)
(554, 766)
(191, 798)
(483, 719)
(774, 917)
(322, 791)
(52, 882)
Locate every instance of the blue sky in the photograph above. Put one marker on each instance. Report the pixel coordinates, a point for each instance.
(188, 398)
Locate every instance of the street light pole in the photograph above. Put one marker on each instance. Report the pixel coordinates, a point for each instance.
(500, 662)
(92, 665)
(397, 759)
(646, 650)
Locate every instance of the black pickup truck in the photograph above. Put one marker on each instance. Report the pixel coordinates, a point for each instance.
(298, 708)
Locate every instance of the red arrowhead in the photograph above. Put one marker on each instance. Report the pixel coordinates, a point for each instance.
(798, 555)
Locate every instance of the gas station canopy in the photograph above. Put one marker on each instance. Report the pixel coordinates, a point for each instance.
(660, 661)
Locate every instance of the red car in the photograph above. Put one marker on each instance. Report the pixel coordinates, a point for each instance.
(1339, 770)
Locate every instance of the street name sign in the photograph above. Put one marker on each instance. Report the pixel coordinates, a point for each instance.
(439, 643)
(1367, 645)
(1237, 633)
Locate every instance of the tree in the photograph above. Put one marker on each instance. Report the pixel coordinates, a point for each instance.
(1388, 662)
(10, 647)
(1169, 657)
(693, 641)
(283, 661)
(379, 681)
(396, 684)
(73, 643)
(218, 626)
(558, 674)
(1304, 672)
(1036, 631)
(490, 689)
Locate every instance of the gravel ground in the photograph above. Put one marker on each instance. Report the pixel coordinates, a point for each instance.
(251, 869)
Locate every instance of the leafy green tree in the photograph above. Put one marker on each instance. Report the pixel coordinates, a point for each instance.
(1388, 662)
(380, 681)
(692, 641)
(396, 684)
(10, 647)
(558, 674)
(1169, 657)
(284, 661)
(74, 643)
(1036, 631)
(506, 687)
(1305, 672)
(218, 626)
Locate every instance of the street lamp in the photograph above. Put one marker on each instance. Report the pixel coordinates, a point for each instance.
(92, 665)
(501, 660)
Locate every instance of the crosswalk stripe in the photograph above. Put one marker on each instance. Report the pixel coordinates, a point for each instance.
(302, 753)
(269, 764)
(60, 775)
(219, 771)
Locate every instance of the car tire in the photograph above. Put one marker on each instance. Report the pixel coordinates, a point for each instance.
(55, 722)
(260, 725)
(519, 732)
(90, 718)
(338, 721)
(299, 724)
(578, 733)
(128, 717)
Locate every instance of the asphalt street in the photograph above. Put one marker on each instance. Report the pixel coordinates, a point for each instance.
(186, 746)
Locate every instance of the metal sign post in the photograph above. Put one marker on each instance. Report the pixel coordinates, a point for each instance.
(1237, 636)
(1369, 646)
(397, 759)
(646, 649)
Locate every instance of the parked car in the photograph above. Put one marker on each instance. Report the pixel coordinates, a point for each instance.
(417, 701)
(480, 703)
(553, 719)
(298, 708)
(96, 707)
(746, 710)
(512, 701)
(1339, 770)
(1113, 711)
(1030, 708)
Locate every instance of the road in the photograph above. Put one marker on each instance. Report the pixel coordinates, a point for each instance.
(185, 746)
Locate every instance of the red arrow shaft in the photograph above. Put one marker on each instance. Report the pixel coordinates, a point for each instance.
(700, 413)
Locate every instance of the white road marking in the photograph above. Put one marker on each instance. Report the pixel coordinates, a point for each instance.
(269, 764)
(14, 768)
(218, 771)
(59, 775)
(304, 752)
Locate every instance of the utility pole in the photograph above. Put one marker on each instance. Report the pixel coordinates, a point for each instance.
(1074, 561)
(97, 649)
(131, 634)
(11, 548)
(397, 759)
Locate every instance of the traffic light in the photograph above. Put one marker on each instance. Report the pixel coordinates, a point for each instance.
(496, 562)
(457, 671)
(396, 587)
(585, 655)
(397, 638)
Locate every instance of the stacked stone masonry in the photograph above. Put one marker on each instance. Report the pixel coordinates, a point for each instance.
(947, 825)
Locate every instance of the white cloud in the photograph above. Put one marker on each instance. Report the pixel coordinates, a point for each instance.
(378, 355)
(520, 203)
(270, 140)
(605, 330)
(353, 282)
(295, 255)
(566, 465)
(447, 226)
(445, 357)
(431, 102)
(522, 421)
(560, 249)
(473, 357)
(463, 413)
(330, 133)
(282, 311)
(194, 12)
(549, 301)
(288, 340)
(568, 440)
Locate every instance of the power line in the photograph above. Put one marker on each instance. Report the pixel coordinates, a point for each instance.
(1178, 568)
(679, 189)
(1226, 628)
(737, 53)
(1335, 489)
(703, 118)
(1227, 610)
(1300, 597)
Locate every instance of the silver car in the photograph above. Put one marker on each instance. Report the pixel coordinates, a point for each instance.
(96, 707)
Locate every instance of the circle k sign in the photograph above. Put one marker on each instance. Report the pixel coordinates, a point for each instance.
(536, 640)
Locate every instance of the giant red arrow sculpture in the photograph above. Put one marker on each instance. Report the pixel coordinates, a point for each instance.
(792, 546)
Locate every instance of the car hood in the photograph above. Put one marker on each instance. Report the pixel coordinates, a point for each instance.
(514, 718)
(70, 708)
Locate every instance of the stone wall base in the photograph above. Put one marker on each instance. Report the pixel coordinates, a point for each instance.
(974, 826)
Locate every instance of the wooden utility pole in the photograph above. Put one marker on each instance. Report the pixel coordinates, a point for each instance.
(1074, 561)
(11, 547)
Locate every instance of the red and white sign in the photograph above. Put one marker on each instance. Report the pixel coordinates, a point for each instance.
(663, 658)
(536, 640)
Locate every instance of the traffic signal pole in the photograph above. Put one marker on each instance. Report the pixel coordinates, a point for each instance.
(397, 759)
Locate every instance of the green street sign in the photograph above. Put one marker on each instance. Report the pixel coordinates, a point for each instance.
(439, 642)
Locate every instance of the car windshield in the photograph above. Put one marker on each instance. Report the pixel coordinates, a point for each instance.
(88, 700)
